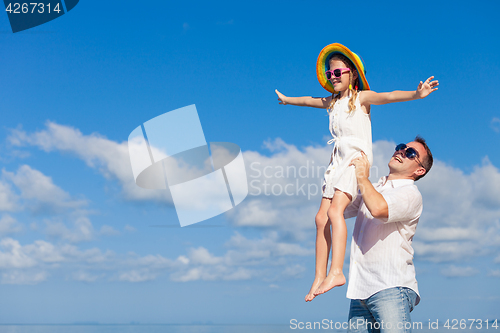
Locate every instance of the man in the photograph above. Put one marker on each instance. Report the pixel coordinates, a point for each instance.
(382, 284)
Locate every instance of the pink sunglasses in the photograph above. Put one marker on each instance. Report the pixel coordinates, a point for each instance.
(337, 72)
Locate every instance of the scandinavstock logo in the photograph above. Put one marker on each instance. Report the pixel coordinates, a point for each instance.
(26, 15)
(170, 152)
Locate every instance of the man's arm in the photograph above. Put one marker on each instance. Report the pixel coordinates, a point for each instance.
(373, 200)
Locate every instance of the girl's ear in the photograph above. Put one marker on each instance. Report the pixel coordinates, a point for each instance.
(355, 74)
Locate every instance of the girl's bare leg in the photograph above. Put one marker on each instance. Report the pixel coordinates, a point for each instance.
(323, 244)
(339, 239)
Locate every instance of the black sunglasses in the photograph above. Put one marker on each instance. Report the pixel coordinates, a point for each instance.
(410, 153)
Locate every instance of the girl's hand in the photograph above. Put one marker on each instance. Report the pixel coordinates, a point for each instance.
(281, 97)
(425, 88)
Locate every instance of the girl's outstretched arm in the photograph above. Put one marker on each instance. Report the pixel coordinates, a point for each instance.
(315, 102)
(424, 89)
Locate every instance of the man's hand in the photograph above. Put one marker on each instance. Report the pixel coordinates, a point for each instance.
(373, 200)
(362, 166)
(425, 88)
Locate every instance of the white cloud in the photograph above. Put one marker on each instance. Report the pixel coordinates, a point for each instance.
(268, 246)
(257, 213)
(29, 264)
(213, 273)
(285, 187)
(449, 234)
(39, 189)
(129, 228)
(456, 271)
(39, 252)
(85, 276)
(239, 274)
(294, 271)
(23, 277)
(110, 158)
(244, 258)
(8, 199)
(44, 252)
(150, 261)
(494, 273)
(191, 275)
(495, 124)
(107, 230)
(39, 194)
(9, 225)
(201, 256)
(137, 276)
(446, 251)
(91, 256)
(461, 217)
(82, 230)
(12, 255)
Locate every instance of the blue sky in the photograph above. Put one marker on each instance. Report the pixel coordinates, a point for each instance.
(79, 243)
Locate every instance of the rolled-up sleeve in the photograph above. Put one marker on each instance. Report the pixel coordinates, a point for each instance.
(404, 204)
(352, 209)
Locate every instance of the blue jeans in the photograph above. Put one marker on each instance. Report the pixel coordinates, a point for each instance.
(387, 311)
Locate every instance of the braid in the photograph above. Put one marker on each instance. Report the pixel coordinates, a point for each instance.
(354, 83)
(335, 98)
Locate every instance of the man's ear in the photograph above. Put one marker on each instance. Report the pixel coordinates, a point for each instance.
(419, 172)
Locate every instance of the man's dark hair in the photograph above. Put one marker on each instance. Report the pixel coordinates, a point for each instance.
(428, 160)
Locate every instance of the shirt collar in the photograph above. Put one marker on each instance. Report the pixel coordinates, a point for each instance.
(395, 182)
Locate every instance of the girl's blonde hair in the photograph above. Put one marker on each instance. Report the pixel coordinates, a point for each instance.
(354, 82)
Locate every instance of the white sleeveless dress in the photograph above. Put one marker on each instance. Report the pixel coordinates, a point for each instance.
(352, 133)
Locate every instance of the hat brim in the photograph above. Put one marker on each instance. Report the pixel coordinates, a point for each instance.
(323, 64)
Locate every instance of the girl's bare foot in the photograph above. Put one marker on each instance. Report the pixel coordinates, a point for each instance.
(331, 281)
(310, 296)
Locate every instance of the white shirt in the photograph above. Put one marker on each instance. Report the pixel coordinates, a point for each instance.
(381, 251)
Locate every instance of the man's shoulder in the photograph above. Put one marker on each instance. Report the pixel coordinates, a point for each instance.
(403, 189)
(404, 202)
(408, 187)
(413, 191)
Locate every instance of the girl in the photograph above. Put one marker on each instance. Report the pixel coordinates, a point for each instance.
(342, 72)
